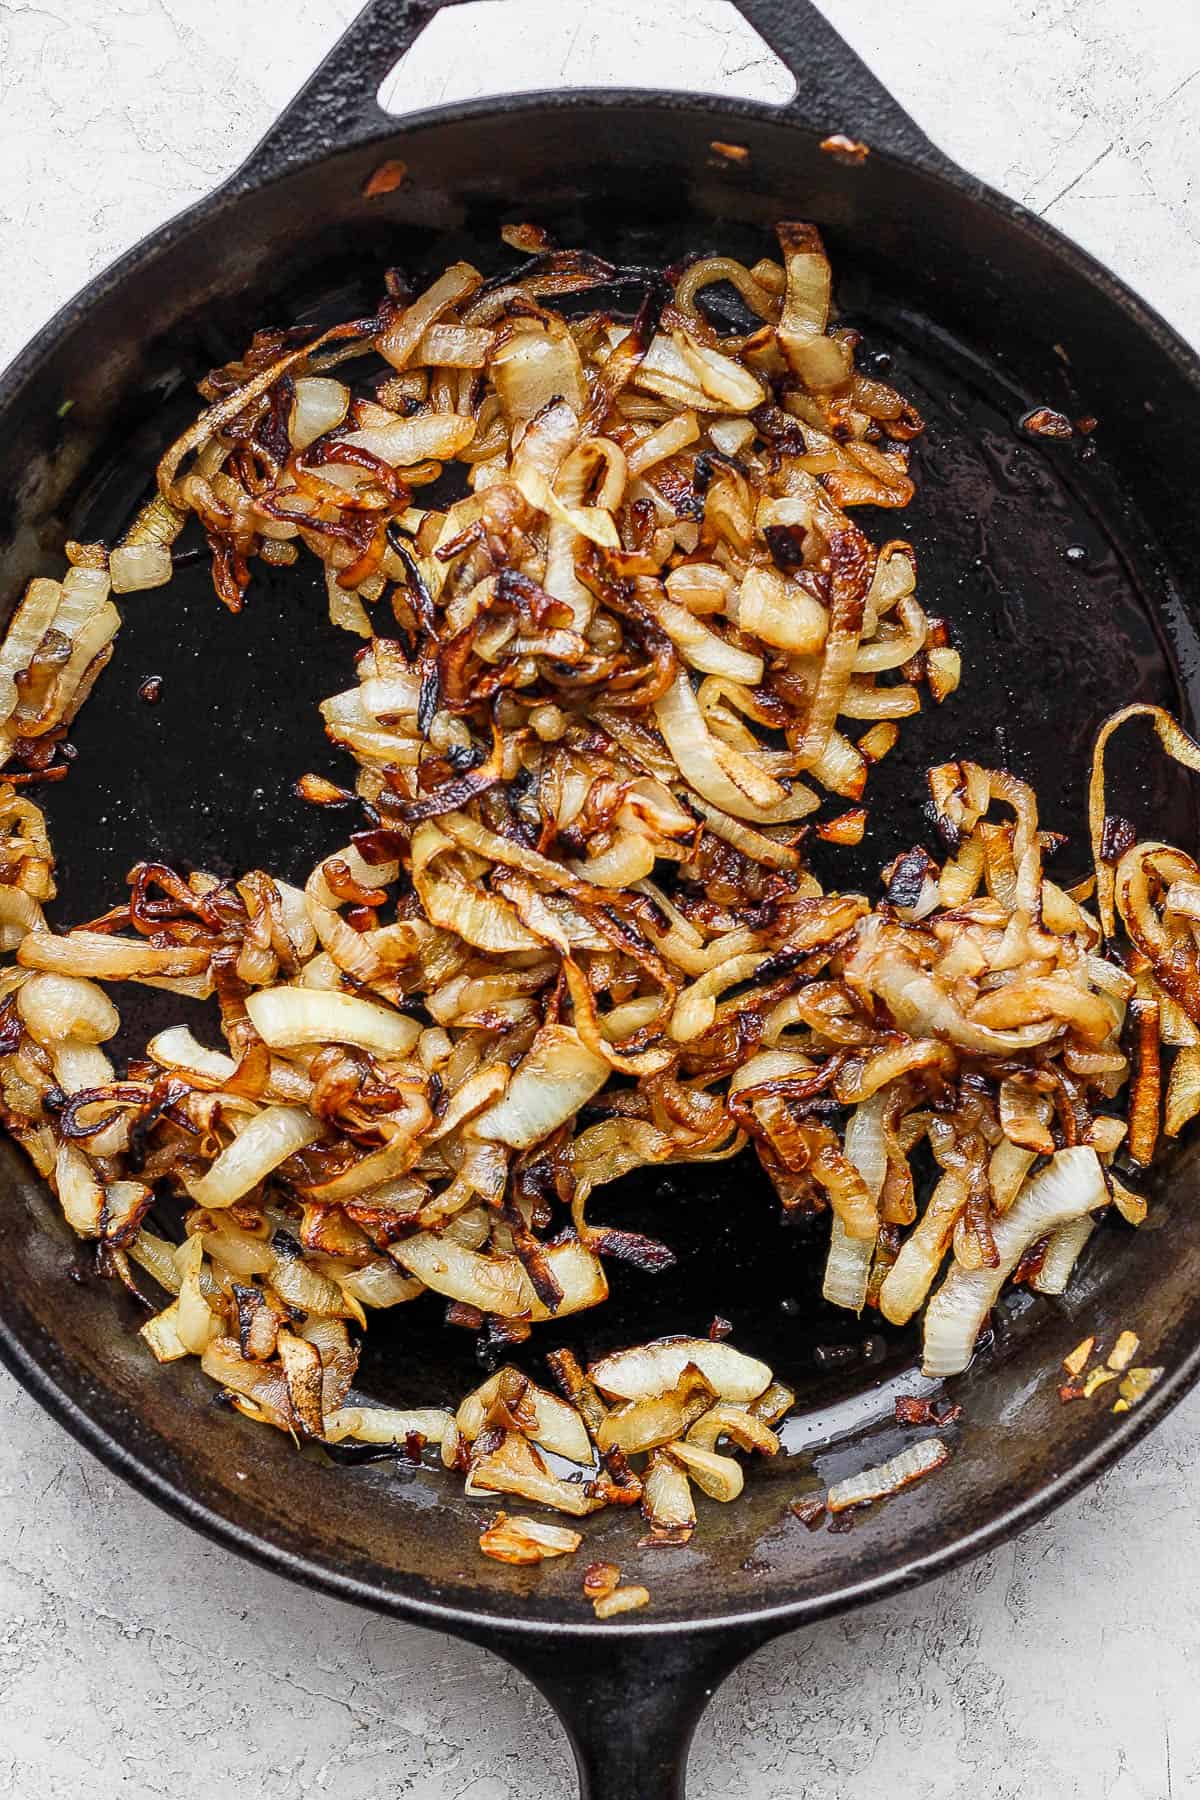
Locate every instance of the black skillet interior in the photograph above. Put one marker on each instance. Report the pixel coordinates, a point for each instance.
(1058, 566)
(1010, 550)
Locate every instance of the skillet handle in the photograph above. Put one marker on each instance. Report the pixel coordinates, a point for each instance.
(835, 90)
(629, 1703)
(337, 108)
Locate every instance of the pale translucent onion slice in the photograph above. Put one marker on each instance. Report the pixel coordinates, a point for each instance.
(696, 378)
(737, 1424)
(63, 1006)
(494, 1284)
(553, 1424)
(516, 1468)
(161, 1334)
(536, 367)
(380, 1283)
(108, 957)
(176, 1048)
(621, 1600)
(698, 757)
(1062, 1253)
(195, 1323)
(667, 1504)
(319, 405)
(403, 442)
(780, 613)
(720, 1477)
(387, 1425)
(847, 1268)
(912, 1274)
(26, 630)
(556, 1078)
(579, 1276)
(656, 1419)
(265, 1141)
(286, 1016)
(79, 1191)
(1069, 1187)
(135, 567)
(519, 1540)
(400, 340)
(888, 1478)
(655, 1368)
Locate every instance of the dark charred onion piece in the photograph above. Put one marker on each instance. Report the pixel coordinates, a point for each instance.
(1043, 421)
(631, 1247)
(1118, 836)
(810, 1510)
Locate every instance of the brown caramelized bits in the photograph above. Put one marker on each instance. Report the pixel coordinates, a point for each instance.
(913, 1411)
(1044, 422)
(533, 239)
(847, 828)
(1117, 836)
(851, 151)
(385, 179)
(319, 791)
(810, 1510)
(600, 1579)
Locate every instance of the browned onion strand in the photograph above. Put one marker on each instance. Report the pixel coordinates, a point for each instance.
(596, 701)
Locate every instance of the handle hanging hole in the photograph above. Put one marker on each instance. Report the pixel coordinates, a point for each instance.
(524, 46)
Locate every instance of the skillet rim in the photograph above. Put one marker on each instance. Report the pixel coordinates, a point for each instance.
(483, 1625)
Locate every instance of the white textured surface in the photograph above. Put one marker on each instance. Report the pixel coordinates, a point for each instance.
(137, 1660)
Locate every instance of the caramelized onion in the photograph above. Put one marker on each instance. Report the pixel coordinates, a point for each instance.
(1070, 1187)
(598, 695)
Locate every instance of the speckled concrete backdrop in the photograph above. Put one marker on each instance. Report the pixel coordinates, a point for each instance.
(136, 1660)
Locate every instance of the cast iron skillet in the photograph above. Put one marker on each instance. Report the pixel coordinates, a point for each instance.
(984, 311)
